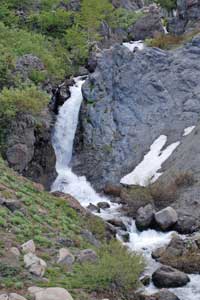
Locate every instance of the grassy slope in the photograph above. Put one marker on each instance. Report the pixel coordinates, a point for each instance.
(46, 218)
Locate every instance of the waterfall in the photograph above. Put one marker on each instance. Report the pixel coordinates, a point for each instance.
(78, 186)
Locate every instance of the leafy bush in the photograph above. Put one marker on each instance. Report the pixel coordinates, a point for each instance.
(167, 4)
(19, 42)
(116, 270)
(124, 18)
(7, 63)
(25, 99)
(53, 23)
(7, 15)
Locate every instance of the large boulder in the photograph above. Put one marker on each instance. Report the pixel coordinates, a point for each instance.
(132, 106)
(168, 277)
(144, 217)
(161, 295)
(166, 218)
(34, 264)
(54, 293)
(146, 27)
(182, 254)
(29, 147)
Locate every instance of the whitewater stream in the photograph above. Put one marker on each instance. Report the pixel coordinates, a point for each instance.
(68, 182)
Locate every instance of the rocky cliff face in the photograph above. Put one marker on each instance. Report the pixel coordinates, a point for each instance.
(130, 100)
(128, 4)
(187, 18)
(29, 150)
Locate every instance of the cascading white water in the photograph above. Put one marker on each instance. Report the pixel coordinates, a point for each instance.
(81, 189)
(63, 139)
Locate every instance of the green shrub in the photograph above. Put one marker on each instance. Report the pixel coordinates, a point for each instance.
(167, 4)
(53, 23)
(124, 18)
(7, 15)
(26, 99)
(19, 42)
(116, 269)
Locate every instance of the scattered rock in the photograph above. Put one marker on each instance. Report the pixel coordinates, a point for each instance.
(161, 295)
(14, 296)
(87, 255)
(66, 242)
(93, 208)
(157, 252)
(103, 205)
(133, 198)
(145, 217)
(15, 251)
(54, 293)
(12, 204)
(11, 296)
(166, 218)
(168, 277)
(182, 254)
(89, 237)
(118, 223)
(125, 237)
(28, 247)
(186, 225)
(65, 257)
(36, 265)
(145, 280)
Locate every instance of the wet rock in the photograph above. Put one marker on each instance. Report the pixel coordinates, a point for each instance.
(133, 198)
(118, 223)
(182, 254)
(168, 277)
(113, 190)
(87, 255)
(166, 218)
(146, 27)
(145, 217)
(145, 280)
(157, 253)
(186, 225)
(125, 237)
(93, 208)
(103, 205)
(54, 293)
(34, 264)
(65, 257)
(161, 295)
(28, 247)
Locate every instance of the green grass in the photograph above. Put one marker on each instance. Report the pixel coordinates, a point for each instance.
(46, 218)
